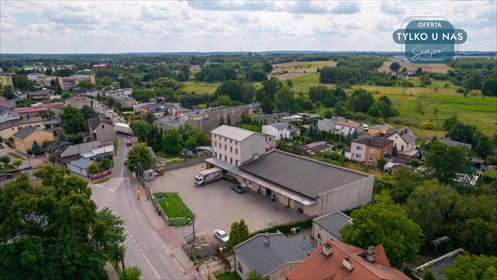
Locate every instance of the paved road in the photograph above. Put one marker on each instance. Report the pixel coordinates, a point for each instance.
(144, 246)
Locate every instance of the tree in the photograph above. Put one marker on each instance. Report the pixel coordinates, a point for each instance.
(88, 112)
(489, 87)
(35, 148)
(428, 275)
(255, 275)
(472, 267)
(8, 92)
(92, 168)
(447, 161)
(17, 162)
(483, 147)
(473, 80)
(395, 67)
(5, 159)
(139, 158)
(73, 120)
(234, 238)
(387, 224)
(105, 164)
(55, 231)
(381, 163)
(130, 273)
(429, 206)
(360, 101)
(171, 142)
(141, 129)
(462, 133)
(267, 67)
(450, 122)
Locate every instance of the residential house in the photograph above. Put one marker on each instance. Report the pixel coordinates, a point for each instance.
(9, 103)
(339, 261)
(79, 166)
(340, 125)
(30, 112)
(54, 149)
(64, 152)
(272, 254)
(328, 226)
(235, 145)
(41, 80)
(378, 129)
(8, 129)
(102, 129)
(5, 80)
(42, 96)
(100, 152)
(125, 102)
(281, 130)
(309, 186)
(370, 149)
(317, 148)
(101, 65)
(6, 114)
(36, 122)
(77, 102)
(67, 83)
(404, 139)
(24, 138)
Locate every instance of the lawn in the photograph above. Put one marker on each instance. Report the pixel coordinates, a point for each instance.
(14, 155)
(228, 276)
(174, 206)
(491, 173)
(200, 87)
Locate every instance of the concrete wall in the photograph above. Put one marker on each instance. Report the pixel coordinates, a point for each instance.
(77, 170)
(105, 133)
(9, 132)
(254, 144)
(358, 152)
(241, 268)
(343, 198)
(323, 234)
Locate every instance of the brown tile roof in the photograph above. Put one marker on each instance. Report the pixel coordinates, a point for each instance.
(348, 123)
(320, 266)
(30, 110)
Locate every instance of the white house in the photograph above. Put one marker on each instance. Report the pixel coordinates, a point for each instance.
(328, 226)
(281, 130)
(404, 139)
(340, 125)
(236, 145)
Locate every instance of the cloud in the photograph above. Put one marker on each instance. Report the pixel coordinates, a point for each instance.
(231, 5)
(392, 8)
(346, 8)
(306, 7)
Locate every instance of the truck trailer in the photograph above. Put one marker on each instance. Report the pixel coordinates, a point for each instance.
(207, 176)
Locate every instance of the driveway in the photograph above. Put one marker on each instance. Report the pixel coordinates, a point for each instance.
(216, 206)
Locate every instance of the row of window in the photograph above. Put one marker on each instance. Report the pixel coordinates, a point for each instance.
(371, 151)
(220, 146)
(220, 156)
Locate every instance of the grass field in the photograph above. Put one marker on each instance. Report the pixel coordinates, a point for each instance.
(200, 87)
(174, 206)
(14, 155)
(228, 276)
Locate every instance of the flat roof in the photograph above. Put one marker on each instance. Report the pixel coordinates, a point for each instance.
(302, 175)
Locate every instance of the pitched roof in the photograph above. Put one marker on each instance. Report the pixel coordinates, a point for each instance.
(320, 266)
(94, 122)
(235, 133)
(373, 141)
(256, 254)
(24, 132)
(407, 135)
(30, 120)
(348, 123)
(300, 174)
(453, 143)
(56, 146)
(334, 222)
(7, 124)
(30, 110)
(81, 163)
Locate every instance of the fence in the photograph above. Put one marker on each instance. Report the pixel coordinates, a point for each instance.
(185, 163)
(202, 248)
(179, 221)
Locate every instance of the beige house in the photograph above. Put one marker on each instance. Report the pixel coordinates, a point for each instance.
(235, 145)
(25, 137)
(8, 129)
(102, 129)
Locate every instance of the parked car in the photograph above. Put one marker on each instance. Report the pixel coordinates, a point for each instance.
(237, 188)
(221, 235)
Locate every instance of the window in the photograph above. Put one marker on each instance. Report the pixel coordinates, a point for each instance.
(370, 158)
(231, 160)
(231, 141)
(319, 236)
(215, 154)
(225, 158)
(358, 148)
(372, 151)
(236, 151)
(103, 126)
(357, 156)
(231, 149)
(225, 147)
(236, 162)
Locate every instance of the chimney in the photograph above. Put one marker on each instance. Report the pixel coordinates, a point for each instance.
(347, 263)
(371, 253)
(266, 239)
(327, 249)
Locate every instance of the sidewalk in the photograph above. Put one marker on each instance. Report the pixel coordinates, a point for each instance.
(172, 241)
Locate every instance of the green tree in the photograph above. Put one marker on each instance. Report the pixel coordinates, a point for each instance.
(395, 67)
(105, 164)
(450, 122)
(429, 206)
(483, 147)
(489, 87)
(243, 231)
(267, 67)
(141, 129)
(360, 101)
(35, 148)
(130, 273)
(73, 120)
(92, 168)
(473, 80)
(5, 159)
(171, 142)
(472, 267)
(387, 224)
(234, 234)
(55, 230)
(428, 275)
(462, 133)
(17, 162)
(139, 158)
(445, 162)
(8, 92)
(88, 112)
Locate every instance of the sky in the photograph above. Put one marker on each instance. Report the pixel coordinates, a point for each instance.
(112, 26)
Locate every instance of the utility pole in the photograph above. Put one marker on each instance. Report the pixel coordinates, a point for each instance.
(193, 248)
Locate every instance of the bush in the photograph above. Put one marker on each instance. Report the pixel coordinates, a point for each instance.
(285, 228)
(359, 116)
(428, 125)
(74, 138)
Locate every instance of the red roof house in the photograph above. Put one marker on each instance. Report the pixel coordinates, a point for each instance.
(335, 260)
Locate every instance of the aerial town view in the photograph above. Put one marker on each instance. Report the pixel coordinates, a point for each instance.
(221, 139)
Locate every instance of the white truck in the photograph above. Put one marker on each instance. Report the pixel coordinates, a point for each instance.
(207, 176)
(123, 128)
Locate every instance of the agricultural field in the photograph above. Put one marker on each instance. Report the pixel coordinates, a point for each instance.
(200, 87)
(298, 69)
(430, 68)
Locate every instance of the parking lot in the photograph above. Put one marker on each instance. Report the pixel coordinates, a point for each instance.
(216, 206)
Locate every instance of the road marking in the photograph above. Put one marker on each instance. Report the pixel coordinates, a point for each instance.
(151, 266)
